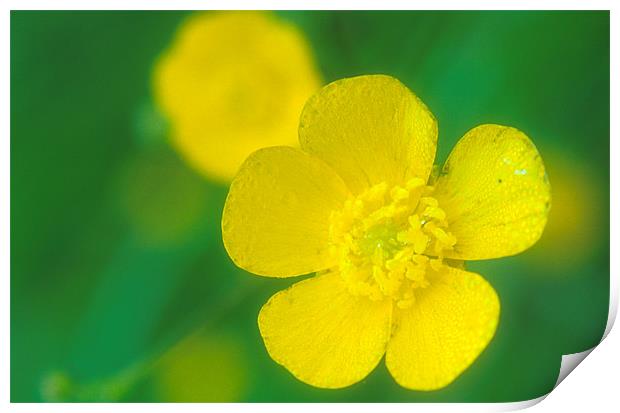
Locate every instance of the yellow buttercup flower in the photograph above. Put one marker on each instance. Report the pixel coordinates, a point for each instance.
(356, 205)
(231, 83)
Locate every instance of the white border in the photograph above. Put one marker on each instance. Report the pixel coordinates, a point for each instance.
(595, 378)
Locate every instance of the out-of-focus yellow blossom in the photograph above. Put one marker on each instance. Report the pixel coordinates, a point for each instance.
(575, 221)
(202, 368)
(355, 205)
(233, 82)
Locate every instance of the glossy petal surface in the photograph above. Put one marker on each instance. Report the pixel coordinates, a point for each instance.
(445, 330)
(323, 335)
(370, 129)
(495, 193)
(276, 217)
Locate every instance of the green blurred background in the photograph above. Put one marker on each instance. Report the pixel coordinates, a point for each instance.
(120, 287)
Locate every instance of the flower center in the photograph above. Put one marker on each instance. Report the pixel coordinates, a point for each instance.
(390, 241)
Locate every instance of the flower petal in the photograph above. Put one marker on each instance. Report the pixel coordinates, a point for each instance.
(277, 213)
(495, 193)
(445, 330)
(370, 129)
(322, 334)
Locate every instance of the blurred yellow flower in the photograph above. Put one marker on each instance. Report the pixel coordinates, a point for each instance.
(572, 235)
(356, 205)
(233, 82)
(203, 368)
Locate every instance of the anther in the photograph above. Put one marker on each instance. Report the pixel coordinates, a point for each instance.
(387, 241)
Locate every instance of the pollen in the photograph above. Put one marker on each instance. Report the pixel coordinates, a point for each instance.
(390, 241)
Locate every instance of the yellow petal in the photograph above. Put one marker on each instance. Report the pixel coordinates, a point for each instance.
(370, 129)
(231, 83)
(277, 214)
(495, 193)
(323, 335)
(444, 331)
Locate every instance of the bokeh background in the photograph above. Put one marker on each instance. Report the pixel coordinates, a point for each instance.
(120, 287)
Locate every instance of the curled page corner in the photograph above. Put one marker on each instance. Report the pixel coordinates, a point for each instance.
(569, 362)
(567, 365)
(525, 404)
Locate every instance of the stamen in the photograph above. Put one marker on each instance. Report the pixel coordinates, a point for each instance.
(388, 240)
